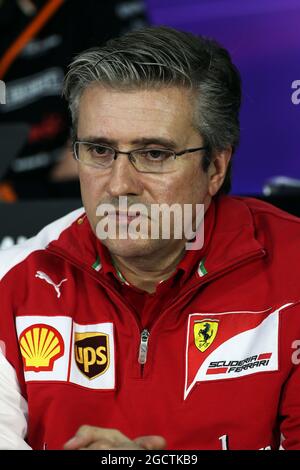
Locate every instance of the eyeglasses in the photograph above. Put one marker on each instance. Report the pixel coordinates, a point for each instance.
(145, 160)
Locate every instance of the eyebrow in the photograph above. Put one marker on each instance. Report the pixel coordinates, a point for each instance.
(140, 142)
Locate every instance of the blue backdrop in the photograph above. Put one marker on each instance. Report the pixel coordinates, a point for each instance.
(263, 37)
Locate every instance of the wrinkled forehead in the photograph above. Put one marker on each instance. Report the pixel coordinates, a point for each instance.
(166, 112)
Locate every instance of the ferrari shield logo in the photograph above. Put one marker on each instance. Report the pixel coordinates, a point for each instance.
(92, 353)
(204, 333)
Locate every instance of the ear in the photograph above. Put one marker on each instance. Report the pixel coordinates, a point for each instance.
(217, 170)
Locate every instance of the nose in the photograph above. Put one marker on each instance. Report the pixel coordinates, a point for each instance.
(124, 178)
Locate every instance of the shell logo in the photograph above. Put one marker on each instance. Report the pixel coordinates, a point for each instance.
(41, 345)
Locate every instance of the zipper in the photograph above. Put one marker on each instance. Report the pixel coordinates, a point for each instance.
(106, 285)
(144, 334)
(143, 347)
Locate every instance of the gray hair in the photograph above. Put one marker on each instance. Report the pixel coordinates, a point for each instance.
(158, 57)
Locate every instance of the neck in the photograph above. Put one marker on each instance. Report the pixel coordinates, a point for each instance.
(146, 272)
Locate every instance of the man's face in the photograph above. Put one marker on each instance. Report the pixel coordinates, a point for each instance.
(129, 120)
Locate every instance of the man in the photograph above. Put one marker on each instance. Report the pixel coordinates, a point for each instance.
(135, 341)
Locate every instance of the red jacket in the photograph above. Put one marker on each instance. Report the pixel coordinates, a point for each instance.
(222, 356)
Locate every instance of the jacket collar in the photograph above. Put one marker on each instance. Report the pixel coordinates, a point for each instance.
(229, 237)
(233, 236)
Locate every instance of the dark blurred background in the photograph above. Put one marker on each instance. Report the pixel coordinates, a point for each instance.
(263, 39)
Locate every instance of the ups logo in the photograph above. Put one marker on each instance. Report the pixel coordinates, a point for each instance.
(92, 353)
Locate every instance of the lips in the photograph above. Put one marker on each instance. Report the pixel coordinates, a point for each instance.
(124, 217)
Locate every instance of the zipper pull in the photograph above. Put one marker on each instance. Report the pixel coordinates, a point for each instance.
(144, 346)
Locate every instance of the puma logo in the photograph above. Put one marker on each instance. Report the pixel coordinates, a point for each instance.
(46, 278)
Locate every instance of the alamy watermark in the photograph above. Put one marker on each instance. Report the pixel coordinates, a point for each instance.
(2, 92)
(153, 221)
(296, 353)
(295, 97)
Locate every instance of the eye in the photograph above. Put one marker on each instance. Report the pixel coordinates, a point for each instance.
(99, 150)
(157, 154)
